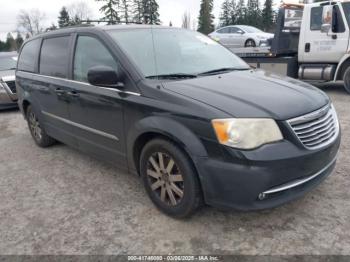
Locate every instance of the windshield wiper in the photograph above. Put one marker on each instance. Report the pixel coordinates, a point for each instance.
(172, 76)
(221, 70)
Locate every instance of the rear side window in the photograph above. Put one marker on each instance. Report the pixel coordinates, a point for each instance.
(54, 57)
(28, 56)
(316, 18)
(90, 52)
(224, 31)
(338, 25)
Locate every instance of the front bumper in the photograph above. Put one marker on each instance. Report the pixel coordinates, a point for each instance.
(266, 177)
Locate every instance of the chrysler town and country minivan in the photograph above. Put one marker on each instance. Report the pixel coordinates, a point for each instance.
(191, 118)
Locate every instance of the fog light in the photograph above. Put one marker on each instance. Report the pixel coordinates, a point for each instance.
(262, 196)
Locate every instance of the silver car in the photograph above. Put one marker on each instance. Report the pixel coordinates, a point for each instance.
(241, 36)
(8, 95)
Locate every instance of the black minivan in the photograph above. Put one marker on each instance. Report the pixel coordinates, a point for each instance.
(192, 119)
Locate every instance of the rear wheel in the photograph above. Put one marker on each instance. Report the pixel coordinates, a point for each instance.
(37, 131)
(250, 43)
(346, 79)
(170, 179)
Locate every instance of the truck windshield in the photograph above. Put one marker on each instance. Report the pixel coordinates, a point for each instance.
(174, 52)
(8, 63)
(346, 7)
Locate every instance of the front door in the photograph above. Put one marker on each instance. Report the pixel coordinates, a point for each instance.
(318, 47)
(96, 112)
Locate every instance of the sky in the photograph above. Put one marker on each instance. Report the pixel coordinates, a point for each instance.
(170, 10)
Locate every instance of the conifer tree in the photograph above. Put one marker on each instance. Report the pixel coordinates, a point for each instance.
(206, 18)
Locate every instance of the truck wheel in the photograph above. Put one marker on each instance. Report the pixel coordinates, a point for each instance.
(37, 131)
(250, 43)
(346, 79)
(170, 179)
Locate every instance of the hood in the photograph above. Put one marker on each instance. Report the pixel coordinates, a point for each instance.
(253, 93)
(267, 35)
(7, 73)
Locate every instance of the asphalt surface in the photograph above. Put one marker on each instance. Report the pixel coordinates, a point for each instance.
(60, 201)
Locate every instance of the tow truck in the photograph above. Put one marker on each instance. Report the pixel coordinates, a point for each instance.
(311, 43)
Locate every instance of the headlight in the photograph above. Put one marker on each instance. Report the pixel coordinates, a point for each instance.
(261, 37)
(246, 133)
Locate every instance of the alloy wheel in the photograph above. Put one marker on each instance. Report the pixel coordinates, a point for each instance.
(35, 126)
(165, 178)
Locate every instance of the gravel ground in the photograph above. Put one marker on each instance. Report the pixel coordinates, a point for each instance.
(60, 201)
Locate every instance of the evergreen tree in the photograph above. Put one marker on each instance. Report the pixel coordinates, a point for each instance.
(240, 12)
(206, 18)
(267, 15)
(75, 21)
(170, 24)
(19, 41)
(125, 11)
(225, 17)
(63, 19)
(137, 11)
(110, 10)
(233, 12)
(10, 44)
(253, 15)
(150, 13)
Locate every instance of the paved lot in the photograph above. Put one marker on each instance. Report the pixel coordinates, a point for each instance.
(60, 201)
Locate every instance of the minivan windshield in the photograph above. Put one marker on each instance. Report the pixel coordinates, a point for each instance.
(175, 52)
(8, 63)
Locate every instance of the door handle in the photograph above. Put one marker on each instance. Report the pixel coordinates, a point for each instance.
(307, 47)
(59, 91)
(73, 94)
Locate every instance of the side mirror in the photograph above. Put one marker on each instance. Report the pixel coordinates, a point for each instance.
(104, 76)
(325, 28)
(241, 32)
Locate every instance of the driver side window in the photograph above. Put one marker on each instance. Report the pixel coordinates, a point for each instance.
(90, 52)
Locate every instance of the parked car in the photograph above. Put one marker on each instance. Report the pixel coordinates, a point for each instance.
(241, 36)
(182, 111)
(8, 96)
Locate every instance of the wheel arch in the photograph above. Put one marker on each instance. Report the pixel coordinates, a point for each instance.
(152, 127)
(343, 64)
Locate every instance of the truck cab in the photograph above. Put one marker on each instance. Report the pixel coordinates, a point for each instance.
(311, 43)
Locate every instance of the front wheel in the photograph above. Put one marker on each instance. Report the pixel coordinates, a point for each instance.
(250, 43)
(36, 129)
(346, 79)
(170, 178)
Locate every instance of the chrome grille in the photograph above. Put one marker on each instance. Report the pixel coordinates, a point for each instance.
(317, 129)
(12, 86)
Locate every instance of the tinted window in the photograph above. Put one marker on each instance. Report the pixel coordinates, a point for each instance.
(346, 7)
(28, 56)
(54, 57)
(224, 30)
(338, 23)
(316, 18)
(90, 52)
(235, 30)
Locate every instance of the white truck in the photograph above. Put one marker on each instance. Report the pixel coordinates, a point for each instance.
(311, 43)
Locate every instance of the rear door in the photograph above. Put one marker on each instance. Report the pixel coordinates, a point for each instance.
(97, 112)
(237, 37)
(50, 86)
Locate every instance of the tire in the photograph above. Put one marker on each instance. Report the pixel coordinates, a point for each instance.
(36, 129)
(346, 79)
(250, 43)
(177, 169)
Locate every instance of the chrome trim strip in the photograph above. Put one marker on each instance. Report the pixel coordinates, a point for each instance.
(8, 78)
(83, 83)
(86, 128)
(297, 182)
(310, 116)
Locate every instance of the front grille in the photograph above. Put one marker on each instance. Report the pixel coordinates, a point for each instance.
(316, 129)
(12, 86)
